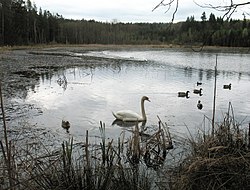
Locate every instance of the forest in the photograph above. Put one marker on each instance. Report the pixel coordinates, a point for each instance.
(21, 23)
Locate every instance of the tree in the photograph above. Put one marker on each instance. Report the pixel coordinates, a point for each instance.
(212, 18)
(203, 17)
(19, 22)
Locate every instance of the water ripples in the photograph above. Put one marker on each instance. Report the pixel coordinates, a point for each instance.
(95, 90)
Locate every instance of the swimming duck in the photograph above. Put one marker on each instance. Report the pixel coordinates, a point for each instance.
(227, 86)
(197, 91)
(199, 105)
(183, 94)
(66, 125)
(199, 83)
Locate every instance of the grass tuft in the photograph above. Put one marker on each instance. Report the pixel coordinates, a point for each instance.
(216, 161)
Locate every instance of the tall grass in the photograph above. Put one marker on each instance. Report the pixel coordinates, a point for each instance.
(217, 161)
(6, 146)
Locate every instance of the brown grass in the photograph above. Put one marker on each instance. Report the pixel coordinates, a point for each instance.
(219, 161)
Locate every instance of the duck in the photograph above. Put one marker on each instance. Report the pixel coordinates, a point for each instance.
(131, 116)
(199, 105)
(199, 83)
(66, 125)
(183, 94)
(227, 86)
(197, 91)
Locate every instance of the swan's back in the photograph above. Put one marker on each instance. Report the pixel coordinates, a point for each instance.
(127, 115)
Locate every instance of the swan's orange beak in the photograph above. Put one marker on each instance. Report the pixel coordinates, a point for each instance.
(148, 100)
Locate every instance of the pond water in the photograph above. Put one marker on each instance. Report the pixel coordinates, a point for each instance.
(94, 90)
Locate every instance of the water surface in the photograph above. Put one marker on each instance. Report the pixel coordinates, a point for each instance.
(118, 82)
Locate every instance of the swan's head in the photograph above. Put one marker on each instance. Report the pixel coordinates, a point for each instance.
(145, 98)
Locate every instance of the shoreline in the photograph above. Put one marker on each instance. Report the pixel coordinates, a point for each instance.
(195, 48)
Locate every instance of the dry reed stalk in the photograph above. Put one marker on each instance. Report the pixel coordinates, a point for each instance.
(4, 119)
(120, 148)
(103, 143)
(8, 157)
(157, 146)
(87, 169)
(110, 154)
(215, 84)
(136, 144)
(166, 136)
(133, 148)
(249, 136)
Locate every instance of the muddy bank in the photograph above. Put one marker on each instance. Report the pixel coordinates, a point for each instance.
(20, 70)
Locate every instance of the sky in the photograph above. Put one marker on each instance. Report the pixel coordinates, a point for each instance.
(131, 10)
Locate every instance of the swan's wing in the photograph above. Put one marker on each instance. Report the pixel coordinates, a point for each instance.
(127, 115)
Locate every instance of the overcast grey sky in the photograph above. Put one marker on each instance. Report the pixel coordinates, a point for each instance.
(130, 10)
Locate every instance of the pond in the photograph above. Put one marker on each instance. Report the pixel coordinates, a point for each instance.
(86, 92)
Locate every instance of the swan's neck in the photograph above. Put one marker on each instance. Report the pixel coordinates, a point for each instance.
(143, 111)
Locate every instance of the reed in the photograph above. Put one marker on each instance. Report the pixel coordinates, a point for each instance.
(6, 147)
(110, 165)
(217, 161)
(214, 99)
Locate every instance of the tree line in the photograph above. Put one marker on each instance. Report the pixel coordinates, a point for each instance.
(23, 24)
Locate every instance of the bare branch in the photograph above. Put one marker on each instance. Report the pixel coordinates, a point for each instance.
(228, 9)
(164, 4)
(175, 11)
(169, 4)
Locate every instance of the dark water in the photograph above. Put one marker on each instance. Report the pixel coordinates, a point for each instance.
(94, 90)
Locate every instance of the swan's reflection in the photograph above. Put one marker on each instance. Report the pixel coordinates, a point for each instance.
(126, 124)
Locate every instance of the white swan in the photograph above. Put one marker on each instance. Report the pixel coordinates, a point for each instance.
(128, 115)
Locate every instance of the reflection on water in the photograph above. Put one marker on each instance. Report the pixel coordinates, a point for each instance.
(126, 124)
(87, 94)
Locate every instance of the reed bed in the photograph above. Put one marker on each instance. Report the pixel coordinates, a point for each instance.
(109, 165)
(217, 161)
